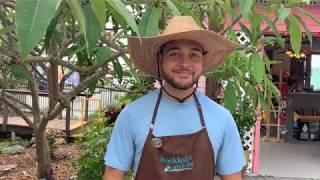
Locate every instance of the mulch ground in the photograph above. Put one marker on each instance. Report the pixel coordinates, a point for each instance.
(26, 164)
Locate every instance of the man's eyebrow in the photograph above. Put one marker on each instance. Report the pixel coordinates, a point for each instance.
(197, 49)
(177, 48)
(172, 48)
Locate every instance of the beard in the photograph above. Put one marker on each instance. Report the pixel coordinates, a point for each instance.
(180, 84)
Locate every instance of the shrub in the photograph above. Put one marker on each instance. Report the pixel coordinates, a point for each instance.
(91, 164)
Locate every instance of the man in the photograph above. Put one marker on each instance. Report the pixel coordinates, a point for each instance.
(176, 132)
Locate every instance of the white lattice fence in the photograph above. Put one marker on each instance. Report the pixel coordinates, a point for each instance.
(248, 143)
(249, 135)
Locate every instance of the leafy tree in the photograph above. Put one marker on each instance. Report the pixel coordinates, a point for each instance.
(88, 37)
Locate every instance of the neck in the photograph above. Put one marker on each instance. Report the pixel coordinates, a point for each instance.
(178, 93)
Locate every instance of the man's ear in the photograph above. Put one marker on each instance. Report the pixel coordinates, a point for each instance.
(159, 64)
(159, 58)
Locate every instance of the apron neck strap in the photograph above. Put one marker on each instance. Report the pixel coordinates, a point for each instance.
(198, 105)
(155, 111)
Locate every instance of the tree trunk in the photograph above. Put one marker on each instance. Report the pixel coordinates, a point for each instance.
(43, 155)
(212, 85)
(212, 88)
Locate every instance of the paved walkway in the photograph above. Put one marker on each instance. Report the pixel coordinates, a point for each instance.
(296, 159)
(270, 178)
(274, 178)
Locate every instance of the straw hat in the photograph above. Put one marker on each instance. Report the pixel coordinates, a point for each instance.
(144, 50)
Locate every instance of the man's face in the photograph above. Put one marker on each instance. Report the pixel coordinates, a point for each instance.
(181, 63)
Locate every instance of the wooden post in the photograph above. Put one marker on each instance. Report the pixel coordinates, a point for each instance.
(86, 108)
(67, 137)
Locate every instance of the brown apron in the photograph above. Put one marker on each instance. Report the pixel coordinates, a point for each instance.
(180, 157)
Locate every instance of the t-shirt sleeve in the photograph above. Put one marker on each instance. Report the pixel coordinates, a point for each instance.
(230, 157)
(120, 149)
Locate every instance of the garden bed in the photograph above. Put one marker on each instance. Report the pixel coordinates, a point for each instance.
(26, 164)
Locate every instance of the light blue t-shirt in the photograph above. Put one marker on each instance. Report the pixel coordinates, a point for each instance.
(132, 126)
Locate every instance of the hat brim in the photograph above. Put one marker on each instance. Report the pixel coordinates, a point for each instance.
(143, 51)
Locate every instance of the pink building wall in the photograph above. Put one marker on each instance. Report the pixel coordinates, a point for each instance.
(312, 26)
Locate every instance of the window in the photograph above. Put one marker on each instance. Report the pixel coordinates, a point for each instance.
(315, 72)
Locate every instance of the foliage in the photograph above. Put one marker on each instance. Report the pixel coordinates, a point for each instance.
(137, 88)
(52, 135)
(95, 137)
(244, 115)
(41, 37)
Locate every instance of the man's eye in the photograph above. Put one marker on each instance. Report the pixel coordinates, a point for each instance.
(174, 54)
(194, 55)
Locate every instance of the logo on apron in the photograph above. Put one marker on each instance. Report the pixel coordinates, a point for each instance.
(177, 163)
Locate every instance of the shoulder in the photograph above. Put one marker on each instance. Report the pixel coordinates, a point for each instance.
(142, 103)
(137, 113)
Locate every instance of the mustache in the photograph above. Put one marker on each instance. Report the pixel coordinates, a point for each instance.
(183, 69)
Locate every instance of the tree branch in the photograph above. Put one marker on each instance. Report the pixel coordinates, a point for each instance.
(8, 3)
(231, 25)
(80, 69)
(63, 80)
(267, 28)
(50, 115)
(38, 73)
(98, 74)
(17, 110)
(111, 44)
(35, 99)
(116, 87)
(12, 97)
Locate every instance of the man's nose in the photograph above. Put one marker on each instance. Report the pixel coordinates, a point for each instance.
(185, 59)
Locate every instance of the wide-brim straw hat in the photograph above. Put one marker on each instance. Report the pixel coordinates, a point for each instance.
(144, 50)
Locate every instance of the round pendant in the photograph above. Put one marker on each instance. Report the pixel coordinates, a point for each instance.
(156, 142)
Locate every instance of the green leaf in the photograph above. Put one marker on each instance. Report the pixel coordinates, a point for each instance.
(271, 87)
(103, 55)
(255, 22)
(100, 10)
(271, 24)
(119, 7)
(118, 72)
(272, 40)
(175, 11)
(51, 34)
(116, 18)
(20, 72)
(295, 34)
(230, 97)
(301, 21)
(245, 8)
(92, 87)
(149, 24)
(283, 13)
(306, 13)
(263, 101)
(294, 2)
(185, 11)
(7, 29)
(32, 20)
(92, 28)
(257, 67)
(215, 16)
(78, 12)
